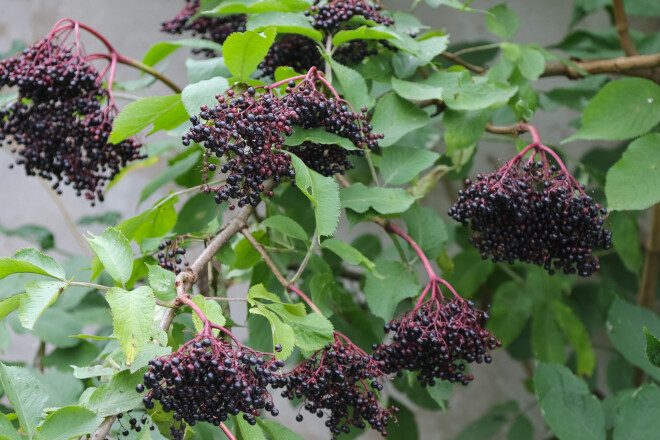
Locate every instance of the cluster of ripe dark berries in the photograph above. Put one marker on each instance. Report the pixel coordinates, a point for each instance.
(437, 340)
(171, 254)
(294, 50)
(534, 212)
(332, 16)
(207, 380)
(215, 29)
(133, 424)
(59, 123)
(249, 131)
(339, 381)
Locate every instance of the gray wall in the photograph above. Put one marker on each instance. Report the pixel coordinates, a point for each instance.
(132, 26)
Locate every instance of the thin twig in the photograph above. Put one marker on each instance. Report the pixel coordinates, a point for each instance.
(305, 260)
(461, 62)
(622, 28)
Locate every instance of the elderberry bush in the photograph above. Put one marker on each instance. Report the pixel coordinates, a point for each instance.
(437, 340)
(534, 212)
(339, 382)
(60, 123)
(207, 380)
(249, 131)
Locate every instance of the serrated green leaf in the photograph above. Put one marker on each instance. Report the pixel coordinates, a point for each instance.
(147, 353)
(199, 70)
(463, 129)
(162, 282)
(395, 117)
(312, 332)
(353, 85)
(385, 294)
(511, 309)
(8, 305)
(360, 33)
(502, 21)
(154, 222)
(360, 198)
(427, 229)
(477, 94)
(94, 371)
(30, 260)
(623, 109)
(283, 23)
(68, 422)
(26, 395)
(203, 93)
(115, 253)
(634, 181)
(247, 431)
(132, 313)
(567, 405)
(440, 393)
(161, 50)
(323, 192)
(211, 310)
(276, 431)
(399, 165)
(244, 51)
(40, 295)
(416, 91)
(471, 272)
(347, 253)
(164, 112)
(114, 397)
(637, 418)
(318, 136)
(286, 226)
(257, 6)
(7, 429)
(282, 333)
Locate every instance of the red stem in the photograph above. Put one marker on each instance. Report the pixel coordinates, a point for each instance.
(227, 432)
(425, 261)
(187, 301)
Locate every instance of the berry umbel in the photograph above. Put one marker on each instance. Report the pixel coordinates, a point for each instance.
(533, 210)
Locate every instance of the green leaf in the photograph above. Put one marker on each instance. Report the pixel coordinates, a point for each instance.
(471, 271)
(361, 33)
(463, 129)
(625, 239)
(323, 192)
(312, 331)
(93, 371)
(625, 322)
(416, 91)
(244, 51)
(164, 112)
(257, 6)
(547, 340)
(211, 310)
(286, 226)
(283, 23)
(477, 93)
(318, 136)
(521, 429)
(567, 405)
(502, 21)
(427, 228)
(56, 326)
(199, 70)
(115, 253)
(116, 396)
(399, 165)
(353, 85)
(347, 253)
(154, 222)
(203, 93)
(132, 313)
(531, 63)
(652, 348)
(68, 422)
(38, 234)
(578, 336)
(623, 109)
(634, 181)
(247, 431)
(8, 305)
(637, 418)
(40, 295)
(282, 333)
(163, 49)
(395, 117)
(30, 260)
(360, 198)
(162, 282)
(179, 166)
(385, 294)
(511, 309)
(405, 426)
(26, 395)
(440, 393)
(486, 427)
(7, 430)
(276, 431)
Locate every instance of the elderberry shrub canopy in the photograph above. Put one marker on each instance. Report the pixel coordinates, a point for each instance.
(61, 120)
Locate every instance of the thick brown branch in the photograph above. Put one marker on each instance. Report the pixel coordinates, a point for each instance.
(641, 65)
(621, 24)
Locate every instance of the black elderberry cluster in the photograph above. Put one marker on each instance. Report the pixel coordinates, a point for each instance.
(209, 379)
(59, 122)
(337, 382)
(536, 213)
(171, 255)
(133, 424)
(215, 29)
(437, 340)
(249, 130)
(332, 16)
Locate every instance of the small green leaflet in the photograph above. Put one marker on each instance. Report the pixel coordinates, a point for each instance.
(652, 348)
(286, 226)
(211, 310)
(203, 93)
(8, 305)
(162, 282)
(502, 21)
(40, 295)
(163, 49)
(244, 51)
(360, 198)
(347, 253)
(132, 313)
(164, 112)
(114, 252)
(30, 260)
(318, 136)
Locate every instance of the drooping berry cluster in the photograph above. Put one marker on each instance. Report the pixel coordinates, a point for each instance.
(338, 382)
(536, 212)
(333, 15)
(208, 379)
(437, 340)
(62, 117)
(171, 254)
(133, 424)
(215, 29)
(249, 131)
